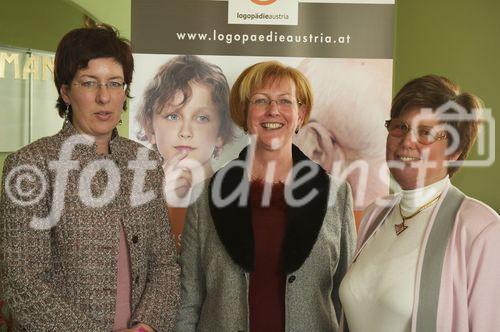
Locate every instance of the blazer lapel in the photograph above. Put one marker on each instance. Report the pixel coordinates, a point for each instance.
(304, 220)
(233, 220)
(435, 250)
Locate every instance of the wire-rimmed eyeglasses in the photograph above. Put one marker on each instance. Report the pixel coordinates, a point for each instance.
(282, 103)
(424, 134)
(93, 86)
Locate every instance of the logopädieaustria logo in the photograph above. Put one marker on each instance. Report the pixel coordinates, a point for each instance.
(263, 2)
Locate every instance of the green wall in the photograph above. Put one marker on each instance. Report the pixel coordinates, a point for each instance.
(36, 24)
(114, 12)
(459, 39)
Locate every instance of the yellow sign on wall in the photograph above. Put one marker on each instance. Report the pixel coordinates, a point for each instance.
(28, 97)
(31, 65)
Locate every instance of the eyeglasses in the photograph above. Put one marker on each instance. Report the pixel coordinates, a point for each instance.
(93, 86)
(282, 103)
(425, 134)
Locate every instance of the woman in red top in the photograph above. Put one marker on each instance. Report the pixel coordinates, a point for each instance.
(268, 241)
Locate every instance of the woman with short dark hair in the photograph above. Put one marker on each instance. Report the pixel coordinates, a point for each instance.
(82, 250)
(427, 257)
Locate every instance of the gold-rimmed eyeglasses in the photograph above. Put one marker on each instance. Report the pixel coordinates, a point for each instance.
(93, 86)
(424, 134)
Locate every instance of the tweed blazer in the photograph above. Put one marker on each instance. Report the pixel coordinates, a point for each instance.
(62, 275)
(217, 254)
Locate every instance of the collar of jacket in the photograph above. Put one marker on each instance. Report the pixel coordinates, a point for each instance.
(115, 145)
(233, 221)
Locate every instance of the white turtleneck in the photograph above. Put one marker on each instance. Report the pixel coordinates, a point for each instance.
(411, 200)
(377, 291)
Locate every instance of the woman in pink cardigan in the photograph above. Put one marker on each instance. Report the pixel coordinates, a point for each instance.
(427, 256)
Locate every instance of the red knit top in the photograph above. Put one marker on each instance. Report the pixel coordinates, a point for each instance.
(267, 282)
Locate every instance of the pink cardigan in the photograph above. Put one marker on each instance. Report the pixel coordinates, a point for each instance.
(465, 286)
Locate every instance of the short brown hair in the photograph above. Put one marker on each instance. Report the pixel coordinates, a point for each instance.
(433, 91)
(176, 75)
(81, 45)
(259, 74)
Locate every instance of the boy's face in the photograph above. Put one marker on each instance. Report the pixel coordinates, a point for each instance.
(193, 128)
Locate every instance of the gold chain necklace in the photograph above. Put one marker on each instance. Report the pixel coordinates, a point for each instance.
(400, 228)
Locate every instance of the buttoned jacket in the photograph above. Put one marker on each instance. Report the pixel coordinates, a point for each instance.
(59, 269)
(217, 254)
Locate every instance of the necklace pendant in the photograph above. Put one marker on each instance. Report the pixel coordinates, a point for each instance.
(400, 228)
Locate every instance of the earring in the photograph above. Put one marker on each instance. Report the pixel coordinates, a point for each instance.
(297, 130)
(216, 153)
(120, 122)
(66, 113)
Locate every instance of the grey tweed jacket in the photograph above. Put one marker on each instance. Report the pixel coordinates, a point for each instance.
(64, 278)
(217, 255)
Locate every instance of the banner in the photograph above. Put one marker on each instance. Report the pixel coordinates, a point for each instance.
(344, 48)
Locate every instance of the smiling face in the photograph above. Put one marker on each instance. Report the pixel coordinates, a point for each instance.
(272, 124)
(97, 111)
(412, 155)
(192, 128)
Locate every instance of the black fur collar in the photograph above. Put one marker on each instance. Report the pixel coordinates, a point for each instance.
(233, 221)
